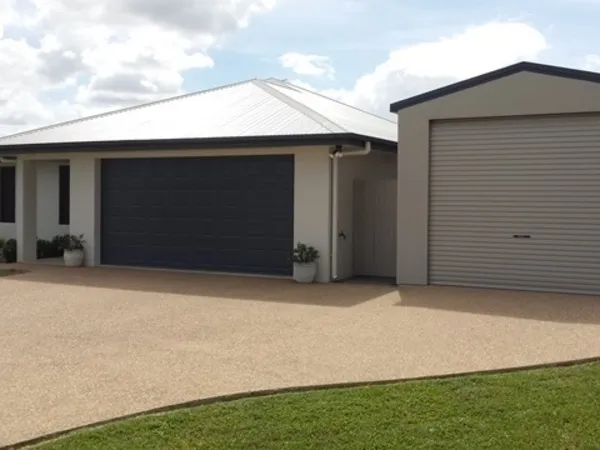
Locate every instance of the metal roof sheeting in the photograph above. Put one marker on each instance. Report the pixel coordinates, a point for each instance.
(248, 109)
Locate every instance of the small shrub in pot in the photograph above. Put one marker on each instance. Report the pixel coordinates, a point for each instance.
(305, 259)
(72, 246)
(58, 240)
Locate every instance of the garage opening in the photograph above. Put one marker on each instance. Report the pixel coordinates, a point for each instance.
(224, 214)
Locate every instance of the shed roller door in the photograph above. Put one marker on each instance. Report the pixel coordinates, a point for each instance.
(226, 214)
(515, 203)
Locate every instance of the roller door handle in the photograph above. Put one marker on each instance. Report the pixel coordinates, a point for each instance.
(522, 236)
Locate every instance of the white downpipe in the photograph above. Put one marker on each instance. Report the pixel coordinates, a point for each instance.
(334, 212)
(336, 156)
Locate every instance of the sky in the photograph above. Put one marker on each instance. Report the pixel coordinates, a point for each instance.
(63, 59)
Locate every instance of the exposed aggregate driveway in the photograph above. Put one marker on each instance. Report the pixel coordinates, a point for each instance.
(83, 345)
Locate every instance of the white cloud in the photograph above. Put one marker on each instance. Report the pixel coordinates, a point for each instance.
(18, 109)
(7, 13)
(312, 65)
(116, 52)
(144, 67)
(418, 68)
(592, 62)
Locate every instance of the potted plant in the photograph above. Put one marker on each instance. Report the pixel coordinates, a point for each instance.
(72, 246)
(305, 260)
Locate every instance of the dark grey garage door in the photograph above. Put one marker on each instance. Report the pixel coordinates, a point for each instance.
(230, 214)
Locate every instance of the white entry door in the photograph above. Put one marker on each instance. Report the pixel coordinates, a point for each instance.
(375, 228)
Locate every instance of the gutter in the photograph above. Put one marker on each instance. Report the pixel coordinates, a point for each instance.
(212, 143)
(337, 154)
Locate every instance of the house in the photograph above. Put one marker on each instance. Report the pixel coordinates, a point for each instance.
(499, 182)
(224, 180)
(492, 182)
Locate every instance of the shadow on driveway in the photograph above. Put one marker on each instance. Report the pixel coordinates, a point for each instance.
(551, 307)
(208, 285)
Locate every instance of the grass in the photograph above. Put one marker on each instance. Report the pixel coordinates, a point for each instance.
(556, 408)
(9, 272)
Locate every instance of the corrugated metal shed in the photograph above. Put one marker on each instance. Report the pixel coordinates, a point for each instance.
(253, 108)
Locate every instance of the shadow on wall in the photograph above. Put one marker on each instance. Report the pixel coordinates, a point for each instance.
(209, 285)
(550, 307)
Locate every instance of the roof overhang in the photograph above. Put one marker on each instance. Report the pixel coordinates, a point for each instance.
(542, 69)
(222, 143)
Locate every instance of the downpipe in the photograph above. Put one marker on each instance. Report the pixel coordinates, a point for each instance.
(336, 154)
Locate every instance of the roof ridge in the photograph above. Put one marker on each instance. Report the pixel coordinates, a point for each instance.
(122, 110)
(327, 123)
(333, 100)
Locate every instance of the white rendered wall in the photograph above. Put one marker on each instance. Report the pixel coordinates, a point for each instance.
(85, 204)
(312, 194)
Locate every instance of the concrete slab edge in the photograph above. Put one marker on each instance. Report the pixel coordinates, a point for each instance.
(290, 390)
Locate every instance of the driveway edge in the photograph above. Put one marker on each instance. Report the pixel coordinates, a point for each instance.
(289, 390)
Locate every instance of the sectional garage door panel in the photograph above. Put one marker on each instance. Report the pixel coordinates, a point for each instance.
(230, 214)
(515, 203)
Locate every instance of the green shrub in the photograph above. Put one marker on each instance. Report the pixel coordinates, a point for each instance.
(60, 239)
(9, 251)
(48, 249)
(2, 242)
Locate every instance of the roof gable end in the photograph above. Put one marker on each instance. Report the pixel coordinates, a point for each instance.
(542, 69)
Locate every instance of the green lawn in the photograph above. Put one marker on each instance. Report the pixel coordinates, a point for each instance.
(8, 272)
(542, 409)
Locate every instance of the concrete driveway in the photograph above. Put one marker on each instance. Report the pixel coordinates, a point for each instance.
(82, 345)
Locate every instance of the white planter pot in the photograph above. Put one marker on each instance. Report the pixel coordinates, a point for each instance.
(73, 258)
(305, 273)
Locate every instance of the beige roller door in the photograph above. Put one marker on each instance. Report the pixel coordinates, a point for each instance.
(515, 203)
